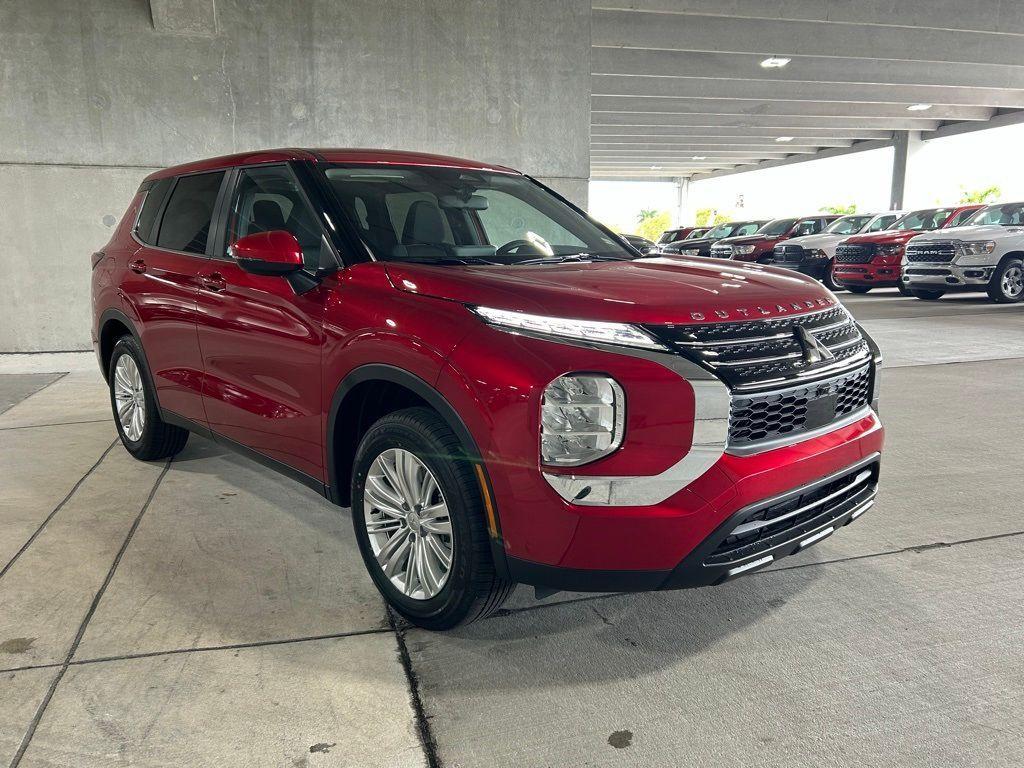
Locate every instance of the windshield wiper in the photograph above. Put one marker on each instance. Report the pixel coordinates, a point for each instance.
(574, 258)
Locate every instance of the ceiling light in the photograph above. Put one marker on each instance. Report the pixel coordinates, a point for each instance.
(918, 107)
(655, 167)
(700, 157)
(783, 139)
(775, 62)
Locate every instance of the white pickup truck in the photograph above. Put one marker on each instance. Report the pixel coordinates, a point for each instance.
(987, 254)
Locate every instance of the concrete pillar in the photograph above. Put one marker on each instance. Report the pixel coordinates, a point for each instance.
(906, 145)
(682, 200)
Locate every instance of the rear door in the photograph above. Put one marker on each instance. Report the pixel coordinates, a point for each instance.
(262, 342)
(161, 285)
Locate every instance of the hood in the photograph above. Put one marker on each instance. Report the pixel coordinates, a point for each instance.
(979, 232)
(643, 291)
(885, 237)
(749, 239)
(814, 241)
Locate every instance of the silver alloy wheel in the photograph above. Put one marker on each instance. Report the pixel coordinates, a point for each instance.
(407, 523)
(130, 397)
(1013, 281)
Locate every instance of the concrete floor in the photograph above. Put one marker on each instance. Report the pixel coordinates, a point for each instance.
(208, 612)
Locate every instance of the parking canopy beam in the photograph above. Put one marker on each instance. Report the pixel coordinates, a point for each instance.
(905, 145)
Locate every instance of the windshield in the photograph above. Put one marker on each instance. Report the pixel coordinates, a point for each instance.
(777, 227)
(848, 225)
(458, 216)
(882, 222)
(1008, 215)
(669, 236)
(696, 234)
(930, 218)
(722, 230)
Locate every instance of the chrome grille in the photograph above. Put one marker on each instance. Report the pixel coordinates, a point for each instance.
(721, 251)
(855, 253)
(778, 390)
(932, 252)
(788, 254)
(762, 417)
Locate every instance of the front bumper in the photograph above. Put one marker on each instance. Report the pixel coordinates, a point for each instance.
(874, 275)
(772, 494)
(946, 276)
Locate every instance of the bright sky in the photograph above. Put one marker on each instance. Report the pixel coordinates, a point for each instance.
(937, 175)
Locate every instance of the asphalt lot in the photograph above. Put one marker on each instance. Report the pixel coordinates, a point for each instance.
(208, 612)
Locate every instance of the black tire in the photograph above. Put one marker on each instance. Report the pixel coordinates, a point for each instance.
(925, 294)
(830, 282)
(473, 589)
(902, 288)
(1002, 288)
(857, 288)
(159, 440)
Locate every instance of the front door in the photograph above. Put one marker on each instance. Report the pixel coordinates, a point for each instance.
(261, 342)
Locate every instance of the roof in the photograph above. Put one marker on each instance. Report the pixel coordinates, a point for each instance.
(329, 155)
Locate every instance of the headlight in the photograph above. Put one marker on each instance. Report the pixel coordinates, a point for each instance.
(743, 250)
(620, 334)
(690, 252)
(894, 249)
(976, 247)
(818, 254)
(583, 417)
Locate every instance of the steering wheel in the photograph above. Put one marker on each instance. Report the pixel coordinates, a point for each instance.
(515, 245)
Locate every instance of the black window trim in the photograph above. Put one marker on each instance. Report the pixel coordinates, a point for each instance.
(159, 221)
(222, 212)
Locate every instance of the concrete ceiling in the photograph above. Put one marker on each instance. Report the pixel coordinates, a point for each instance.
(678, 89)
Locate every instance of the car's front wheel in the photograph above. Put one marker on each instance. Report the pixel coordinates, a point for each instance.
(144, 434)
(1007, 284)
(830, 281)
(420, 522)
(858, 288)
(926, 295)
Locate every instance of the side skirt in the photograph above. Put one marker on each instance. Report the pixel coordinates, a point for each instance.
(307, 480)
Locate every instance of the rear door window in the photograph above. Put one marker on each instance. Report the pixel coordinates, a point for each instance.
(155, 196)
(186, 221)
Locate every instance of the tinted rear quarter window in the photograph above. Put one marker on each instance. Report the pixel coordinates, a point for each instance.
(186, 221)
(146, 225)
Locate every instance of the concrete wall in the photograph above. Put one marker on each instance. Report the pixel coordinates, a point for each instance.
(95, 93)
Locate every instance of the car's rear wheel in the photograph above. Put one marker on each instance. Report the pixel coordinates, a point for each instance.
(857, 288)
(926, 295)
(1007, 284)
(143, 433)
(420, 522)
(902, 288)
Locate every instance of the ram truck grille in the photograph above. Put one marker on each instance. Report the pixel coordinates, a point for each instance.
(780, 389)
(855, 253)
(788, 254)
(721, 251)
(932, 252)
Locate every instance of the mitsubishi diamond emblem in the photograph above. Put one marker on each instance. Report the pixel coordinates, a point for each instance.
(814, 350)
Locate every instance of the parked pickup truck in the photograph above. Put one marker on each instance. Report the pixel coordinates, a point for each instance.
(758, 246)
(702, 246)
(681, 233)
(863, 262)
(813, 254)
(987, 254)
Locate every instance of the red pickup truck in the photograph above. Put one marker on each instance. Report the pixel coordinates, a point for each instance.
(871, 261)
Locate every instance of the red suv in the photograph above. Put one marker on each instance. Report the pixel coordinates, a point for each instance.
(864, 262)
(760, 246)
(495, 384)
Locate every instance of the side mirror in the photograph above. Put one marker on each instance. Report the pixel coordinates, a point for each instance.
(268, 253)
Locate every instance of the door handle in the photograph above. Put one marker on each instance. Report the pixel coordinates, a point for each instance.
(137, 266)
(213, 282)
